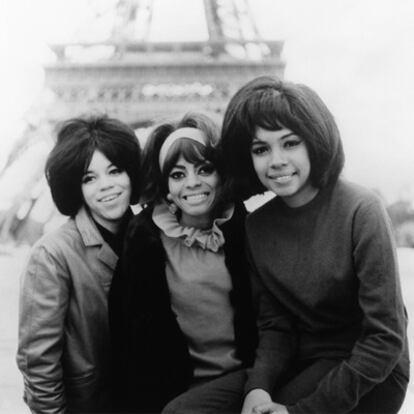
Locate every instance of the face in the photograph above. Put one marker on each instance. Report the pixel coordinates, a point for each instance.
(281, 161)
(194, 189)
(106, 190)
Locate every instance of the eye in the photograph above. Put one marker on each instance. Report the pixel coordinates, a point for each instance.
(87, 178)
(115, 170)
(176, 175)
(292, 142)
(259, 149)
(206, 169)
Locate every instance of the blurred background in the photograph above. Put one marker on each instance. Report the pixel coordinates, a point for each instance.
(143, 60)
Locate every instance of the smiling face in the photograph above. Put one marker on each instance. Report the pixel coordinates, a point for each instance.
(194, 189)
(281, 161)
(106, 190)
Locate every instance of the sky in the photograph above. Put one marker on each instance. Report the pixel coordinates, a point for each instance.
(357, 54)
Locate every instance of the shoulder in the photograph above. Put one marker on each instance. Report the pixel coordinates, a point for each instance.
(141, 230)
(143, 252)
(261, 215)
(52, 249)
(356, 192)
(358, 209)
(58, 240)
(141, 222)
(234, 228)
(356, 198)
(370, 219)
(239, 215)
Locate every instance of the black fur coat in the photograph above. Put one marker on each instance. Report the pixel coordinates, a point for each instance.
(151, 362)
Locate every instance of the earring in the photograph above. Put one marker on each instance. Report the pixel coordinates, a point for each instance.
(173, 208)
(171, 205)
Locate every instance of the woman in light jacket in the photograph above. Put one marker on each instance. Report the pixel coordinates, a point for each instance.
(63, 323)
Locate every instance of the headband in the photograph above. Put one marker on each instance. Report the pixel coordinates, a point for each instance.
(190, 133)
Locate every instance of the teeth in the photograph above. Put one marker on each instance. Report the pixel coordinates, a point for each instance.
(109, 198)
(283, 178)
(196, 197)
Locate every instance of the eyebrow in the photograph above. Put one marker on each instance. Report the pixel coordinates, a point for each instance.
(88, 171)
(196, 164)
(283, 137)
(179, 166)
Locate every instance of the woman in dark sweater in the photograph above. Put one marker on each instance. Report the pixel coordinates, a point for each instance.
(332, 324)
(180, 307)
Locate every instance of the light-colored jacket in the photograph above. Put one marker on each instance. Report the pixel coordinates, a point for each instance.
(63, 349)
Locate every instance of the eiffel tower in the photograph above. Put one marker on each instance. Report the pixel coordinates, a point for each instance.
(139, 81)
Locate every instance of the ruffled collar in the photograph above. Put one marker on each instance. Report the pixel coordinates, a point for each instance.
(208, 239)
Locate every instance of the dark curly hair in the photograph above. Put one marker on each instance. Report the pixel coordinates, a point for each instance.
(77, 139)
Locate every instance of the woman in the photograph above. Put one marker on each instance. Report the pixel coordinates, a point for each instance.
(179, 305)
(332, 324)
(63, 349)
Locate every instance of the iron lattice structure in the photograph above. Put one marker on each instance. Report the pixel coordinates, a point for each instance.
(138, 80)
(130, 77)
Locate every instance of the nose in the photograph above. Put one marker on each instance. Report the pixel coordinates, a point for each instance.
(105, 182)
(193, 179)
(278, 159)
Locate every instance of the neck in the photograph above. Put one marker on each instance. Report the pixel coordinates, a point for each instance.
(304, 198)
(113, 227)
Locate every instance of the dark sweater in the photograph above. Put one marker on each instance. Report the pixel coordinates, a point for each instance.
(152, 364)
(115, 240)
(326, 280)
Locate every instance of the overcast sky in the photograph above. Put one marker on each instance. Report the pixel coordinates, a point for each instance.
(357, 54)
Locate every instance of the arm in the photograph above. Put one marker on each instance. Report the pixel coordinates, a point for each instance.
(381, 343)
(276, 343)
(44, 296)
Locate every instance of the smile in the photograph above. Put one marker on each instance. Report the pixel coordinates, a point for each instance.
(196, 197)
(109, 198)
(282, 179)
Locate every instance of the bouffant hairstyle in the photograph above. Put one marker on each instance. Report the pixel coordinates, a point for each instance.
(77, 140)
(270, 103)
(155, 178)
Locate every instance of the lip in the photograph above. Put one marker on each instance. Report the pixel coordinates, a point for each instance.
(109, 198)
(196, 197)
(281, 178)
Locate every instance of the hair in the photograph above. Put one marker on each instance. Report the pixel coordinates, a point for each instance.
(270, 103)
(155, 187)
(77, 140)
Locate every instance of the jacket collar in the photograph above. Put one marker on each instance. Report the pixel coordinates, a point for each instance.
(92, 237)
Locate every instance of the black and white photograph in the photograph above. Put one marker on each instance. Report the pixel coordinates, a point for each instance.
(206, 206)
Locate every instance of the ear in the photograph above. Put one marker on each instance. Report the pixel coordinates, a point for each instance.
(169, 197)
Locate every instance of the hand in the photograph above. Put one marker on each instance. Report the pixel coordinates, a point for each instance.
(254, 398)
(270, 408)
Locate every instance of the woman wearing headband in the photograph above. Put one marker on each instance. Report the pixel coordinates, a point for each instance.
(182, 326)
